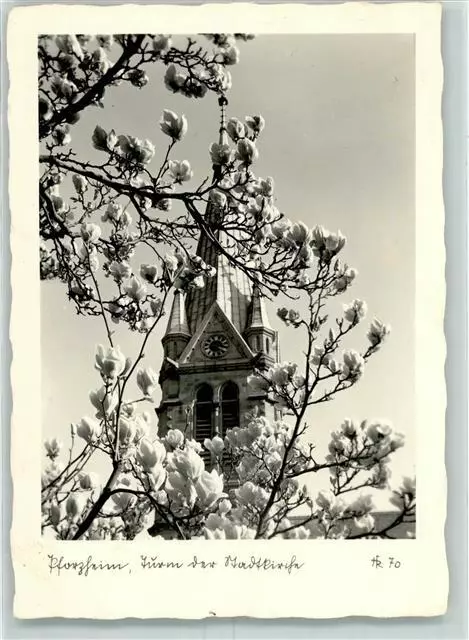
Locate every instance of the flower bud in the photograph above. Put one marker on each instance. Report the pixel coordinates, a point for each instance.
(55, 514)
(147, 380)
(80, 183)
(247, 152)
(88, 429)
(88, 480)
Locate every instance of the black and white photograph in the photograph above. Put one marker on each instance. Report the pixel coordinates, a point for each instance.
(237, 373)
(229, 289)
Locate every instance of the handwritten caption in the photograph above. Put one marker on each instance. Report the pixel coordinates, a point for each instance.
(58, 565)
(377, 562)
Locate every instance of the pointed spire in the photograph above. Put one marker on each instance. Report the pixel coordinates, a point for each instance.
(258, 313)
(223, 102)
(177, 322)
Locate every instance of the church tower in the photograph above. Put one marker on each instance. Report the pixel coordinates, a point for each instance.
(214, 339)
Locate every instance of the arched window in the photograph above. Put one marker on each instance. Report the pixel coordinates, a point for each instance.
(229, 407)
(203, 418)
(267, 345)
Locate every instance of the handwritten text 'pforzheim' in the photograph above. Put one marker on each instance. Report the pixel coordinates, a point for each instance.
(59, 564)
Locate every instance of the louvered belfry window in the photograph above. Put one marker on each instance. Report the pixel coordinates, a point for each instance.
(204, 416)
(229, 407)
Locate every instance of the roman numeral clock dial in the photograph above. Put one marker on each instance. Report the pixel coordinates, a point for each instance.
(215, 346)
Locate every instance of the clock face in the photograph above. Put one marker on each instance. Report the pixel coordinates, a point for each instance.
(215, 346)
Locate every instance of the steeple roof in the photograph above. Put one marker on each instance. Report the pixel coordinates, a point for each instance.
(230, 287)
(177, 322)
(257, 317)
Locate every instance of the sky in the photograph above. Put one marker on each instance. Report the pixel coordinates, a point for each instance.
(339, 143)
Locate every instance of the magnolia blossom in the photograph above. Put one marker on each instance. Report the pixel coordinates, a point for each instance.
(220, 154)
(252, 495)
(188, 463)
(105, 40)
(142, 423)
(123, 500)
(113, 212)
(255, 123)
(110, 361)
(138, 77)
(172, 263)
(355, 311)
(299, 233)
(174, 438)
(349, 429)
(89, 480)
(331, 504)
(51, 472)
(224, 506)
(149, 454)
(218, 198)
(63, 88)
(53, 447)
(326, 244)
(149, 272)
(366, 522)
(102, 140)
(100, 60)
(89, 257)
(209, 488)
(282, 373)
(361, 505)
(180, 170)
(147, 380)
(235, 129)
(74, 506)
(180, 490)
(135, 289)
(173, 125)
(120, 270)
(230, 55)
(289, 316)
(127, 430)
(80, 183)
(345, 279)
(354, 365)
(55, 513)
(88, 429)
(173, 79)
(90, 232)
(247, 152)
(161, 43)
(155, 306)
(377, 332)
(61, 135)
(45, 109)
(215, 445)
(69, 45)
(264, 187)
(104, 400)
(378, 431)
(134, 149)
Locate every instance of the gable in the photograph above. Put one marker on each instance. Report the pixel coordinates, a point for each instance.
(215, 324)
